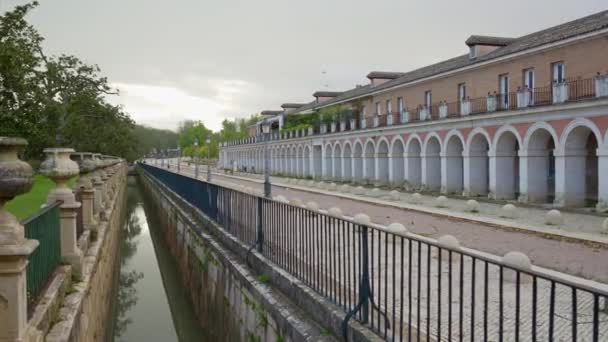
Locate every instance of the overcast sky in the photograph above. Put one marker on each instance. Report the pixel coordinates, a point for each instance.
(214, 59)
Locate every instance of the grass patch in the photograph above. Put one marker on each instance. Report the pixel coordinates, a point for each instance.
(28, 204)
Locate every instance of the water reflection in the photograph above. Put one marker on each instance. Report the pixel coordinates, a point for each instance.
(151, 304)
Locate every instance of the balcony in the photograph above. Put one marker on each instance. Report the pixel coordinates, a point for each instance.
(571, 90)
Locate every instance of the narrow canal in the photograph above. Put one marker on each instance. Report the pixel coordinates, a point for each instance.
(150, 302)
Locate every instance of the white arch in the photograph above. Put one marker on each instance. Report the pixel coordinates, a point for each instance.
(337, 161)
(379, 142)
(412, 138)
(472, 134)
(576, 165)
(502, 130)
(579, 122)
(347, 157)
(453, 133)
(428, 137)
(452, 164)
(535, 127)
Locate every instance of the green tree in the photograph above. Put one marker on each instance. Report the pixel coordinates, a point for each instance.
(56, 100)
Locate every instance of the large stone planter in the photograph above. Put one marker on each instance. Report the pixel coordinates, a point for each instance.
(15, 179)
(60, 168)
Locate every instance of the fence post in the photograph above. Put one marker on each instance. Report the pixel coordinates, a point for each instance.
(259, 230)
(15, 179)
(60, 168)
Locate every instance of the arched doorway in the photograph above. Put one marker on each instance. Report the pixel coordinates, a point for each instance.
(358, 163)
(580, 169)
(478, 166)
(382, 162)
(506, 167)
(347, 154)
(540, 167)
(414, 163)
(337, 172)
(453, 163)
(431, 163)
(369, 162)
(328, 164)
(397, 165)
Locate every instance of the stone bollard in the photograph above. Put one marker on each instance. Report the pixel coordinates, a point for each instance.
(472, 206)
(375, 193)
(362, 219)
(554, 218)
(441, 202)
(335, 212)
(519, 260)
(15, 179)
(87, 191)
(509, 211)
(281, 199)
(450, 242)
(394, 195)
(312, 206)
(605, 227)
(396, 227)
(296, 202)
(344, 188)
(60, 168)
(416, 198)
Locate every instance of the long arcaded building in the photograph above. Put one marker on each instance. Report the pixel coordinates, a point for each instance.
(516, 118)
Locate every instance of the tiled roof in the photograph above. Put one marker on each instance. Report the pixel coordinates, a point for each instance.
(572, 29)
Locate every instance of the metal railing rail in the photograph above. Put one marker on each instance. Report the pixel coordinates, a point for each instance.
(401, 285)
(45, 227)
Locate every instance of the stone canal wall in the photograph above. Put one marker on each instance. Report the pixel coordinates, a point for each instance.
(234, 299)
(76, 305)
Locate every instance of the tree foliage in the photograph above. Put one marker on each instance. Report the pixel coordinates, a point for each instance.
(56, 100)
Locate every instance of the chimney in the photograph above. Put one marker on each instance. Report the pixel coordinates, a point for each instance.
(481, 45)
(322, 96)
(378, 77)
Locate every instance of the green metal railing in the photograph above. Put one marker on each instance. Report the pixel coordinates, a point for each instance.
(44, 226)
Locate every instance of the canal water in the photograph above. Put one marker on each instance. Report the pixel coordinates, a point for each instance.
(150, 302)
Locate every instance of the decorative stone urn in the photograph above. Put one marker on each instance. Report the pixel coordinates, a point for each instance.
(60, 168)
(15, 179)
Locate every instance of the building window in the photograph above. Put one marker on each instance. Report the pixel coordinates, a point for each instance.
(377, 108)
(389, 107)
(559, 72)
(400, 104)
(503, 86)
(462, 91)
(529, 78)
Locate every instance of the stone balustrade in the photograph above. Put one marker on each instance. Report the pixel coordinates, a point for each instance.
(100, 178)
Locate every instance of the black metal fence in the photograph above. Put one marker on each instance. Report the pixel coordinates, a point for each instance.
(402, 286)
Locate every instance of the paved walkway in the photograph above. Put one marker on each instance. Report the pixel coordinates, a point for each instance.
(570, 257)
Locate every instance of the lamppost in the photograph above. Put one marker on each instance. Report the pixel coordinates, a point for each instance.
(266, 131)
(208, 142)
(196, 158)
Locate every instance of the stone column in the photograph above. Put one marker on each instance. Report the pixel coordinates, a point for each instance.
(15, 179)
(602, 191)
(60, 168)
(85, 185)
(570, 178)
(98, 205)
